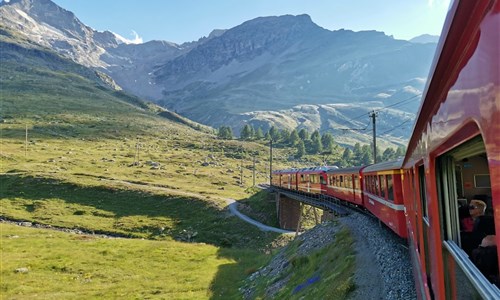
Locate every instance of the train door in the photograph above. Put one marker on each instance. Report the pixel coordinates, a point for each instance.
(424, 245)
(466, 275)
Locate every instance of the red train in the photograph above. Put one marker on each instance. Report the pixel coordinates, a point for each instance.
(377, 188)
(452, 164)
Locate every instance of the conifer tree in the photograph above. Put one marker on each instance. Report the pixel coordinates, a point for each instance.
(284, 135)
(252, 132)
(389, 154)
(246, 132)
(347, 157)
(304, 134)
(328, 142)
(316, 145)
(301, 149)
(294, 138)
(357, 154)
(259, 135)
(225, 132)
(274, 133)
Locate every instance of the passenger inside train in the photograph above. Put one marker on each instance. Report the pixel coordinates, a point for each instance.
(485, 258)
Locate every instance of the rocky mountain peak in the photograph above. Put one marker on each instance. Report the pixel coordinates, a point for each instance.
(243, 43)
(274, 29)
(46, 11)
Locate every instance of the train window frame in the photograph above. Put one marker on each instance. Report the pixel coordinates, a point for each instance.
(448, 195)
(422, 184)
(485, 177)
(382, 182)
(390, 187)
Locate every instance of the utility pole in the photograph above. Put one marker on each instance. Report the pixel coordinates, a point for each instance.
(253, 170)
(373, 115)
(26, 143)
(271, 161)
(137, 146)
(241, 172)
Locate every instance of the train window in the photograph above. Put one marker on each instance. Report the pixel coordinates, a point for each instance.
(390, 188)
(356, 182)
(423, 196)
(341, 183)
(468, 247)
(482, 181)
(375, 180)
(381, 179)
(322, 180)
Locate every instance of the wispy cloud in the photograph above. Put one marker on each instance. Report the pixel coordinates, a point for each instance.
(136, 40)
(438, 3)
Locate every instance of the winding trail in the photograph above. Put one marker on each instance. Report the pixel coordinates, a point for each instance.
(233, 207)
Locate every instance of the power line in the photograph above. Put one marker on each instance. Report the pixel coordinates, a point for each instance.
(398, 103)
(377, 110)
(394, 128)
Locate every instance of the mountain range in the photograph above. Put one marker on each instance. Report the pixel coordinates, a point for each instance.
(279, 70)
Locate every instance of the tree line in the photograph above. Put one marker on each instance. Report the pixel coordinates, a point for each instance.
(302, 140)
(313, 143)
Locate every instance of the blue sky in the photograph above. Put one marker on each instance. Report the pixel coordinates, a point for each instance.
(187, 20)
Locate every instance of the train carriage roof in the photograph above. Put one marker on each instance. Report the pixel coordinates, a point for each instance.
(385, 166)
(286, 171)
(313, 170)
(344, 170)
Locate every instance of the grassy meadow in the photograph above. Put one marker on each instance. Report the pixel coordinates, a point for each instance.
(101, 161)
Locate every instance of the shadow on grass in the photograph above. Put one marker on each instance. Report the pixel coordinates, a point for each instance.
(45, 201)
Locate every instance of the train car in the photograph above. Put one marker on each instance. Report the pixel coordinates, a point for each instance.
(453, 157)
(312, 180)
(289, 179)
(345, 184)
(383, 194)
(276, 178)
